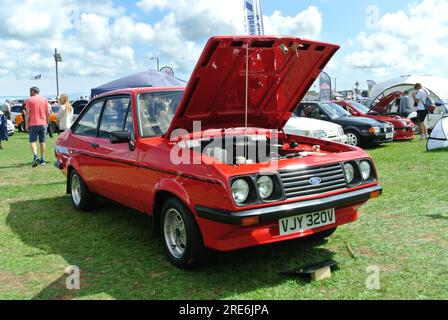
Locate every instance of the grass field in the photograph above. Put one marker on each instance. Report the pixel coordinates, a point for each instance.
(404, 234)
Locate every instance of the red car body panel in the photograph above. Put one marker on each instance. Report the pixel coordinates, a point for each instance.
(136, 178)
(216, 92)
(404, 128)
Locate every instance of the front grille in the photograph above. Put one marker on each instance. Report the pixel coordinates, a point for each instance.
(297, 183)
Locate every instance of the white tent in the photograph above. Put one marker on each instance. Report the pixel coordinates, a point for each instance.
(439, 136)
(438, 87)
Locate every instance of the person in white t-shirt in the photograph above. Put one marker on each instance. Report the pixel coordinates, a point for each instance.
(65, 115)
(420, 95)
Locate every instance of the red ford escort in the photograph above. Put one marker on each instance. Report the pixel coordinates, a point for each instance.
(210, 162)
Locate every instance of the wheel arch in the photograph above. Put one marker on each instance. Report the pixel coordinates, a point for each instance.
(165, 190)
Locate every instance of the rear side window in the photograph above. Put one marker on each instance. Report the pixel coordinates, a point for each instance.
(114, 116)
(88, 124)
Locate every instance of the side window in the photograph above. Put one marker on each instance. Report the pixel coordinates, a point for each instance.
(88, 124)
(311, 111)
(114, 115)
(129, 124)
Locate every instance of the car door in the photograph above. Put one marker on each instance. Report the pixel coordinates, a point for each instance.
(117, 163)
(83, 142)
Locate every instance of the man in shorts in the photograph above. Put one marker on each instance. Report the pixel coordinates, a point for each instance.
(37, 120)
(420, 95)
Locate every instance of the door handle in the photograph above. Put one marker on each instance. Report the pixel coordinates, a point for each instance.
(95, 145)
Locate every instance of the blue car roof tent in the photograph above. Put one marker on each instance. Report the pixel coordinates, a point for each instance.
(150, 78)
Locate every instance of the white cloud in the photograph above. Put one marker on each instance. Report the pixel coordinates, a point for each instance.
(406, 41)
(100, 39)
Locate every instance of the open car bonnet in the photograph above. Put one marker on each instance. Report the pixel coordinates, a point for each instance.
(280, 72)
(381, 107)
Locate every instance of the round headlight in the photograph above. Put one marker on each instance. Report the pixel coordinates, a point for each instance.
(349, 172)
(240, 190)
(265, 187)
(366, 170)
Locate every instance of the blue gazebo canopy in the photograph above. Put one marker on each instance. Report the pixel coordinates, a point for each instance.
(150, 78)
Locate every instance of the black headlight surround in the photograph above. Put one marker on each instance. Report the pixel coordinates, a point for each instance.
(254, 197)
(358, 181)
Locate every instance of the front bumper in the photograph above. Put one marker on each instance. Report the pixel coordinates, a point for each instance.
(274, 213)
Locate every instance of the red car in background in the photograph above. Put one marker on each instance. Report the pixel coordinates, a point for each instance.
(184, 155)
(403, 127)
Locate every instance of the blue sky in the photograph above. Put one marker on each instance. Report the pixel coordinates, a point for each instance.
(104, 39)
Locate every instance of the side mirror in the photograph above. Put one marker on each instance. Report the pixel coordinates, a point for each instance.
(120, 137)
(355, 114)
(323, 117)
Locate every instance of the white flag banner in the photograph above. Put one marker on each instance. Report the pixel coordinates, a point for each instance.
(253, 17)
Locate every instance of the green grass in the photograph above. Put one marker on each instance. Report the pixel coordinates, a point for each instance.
(404, 233)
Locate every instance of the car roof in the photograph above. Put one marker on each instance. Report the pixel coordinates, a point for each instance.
(137, 91)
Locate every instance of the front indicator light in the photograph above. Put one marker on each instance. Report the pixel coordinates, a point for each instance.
(375, 195)
(374, 130)
(250, 221)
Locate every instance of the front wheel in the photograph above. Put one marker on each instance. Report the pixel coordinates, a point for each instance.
(82, 198)
(182, 238)
(353, 139)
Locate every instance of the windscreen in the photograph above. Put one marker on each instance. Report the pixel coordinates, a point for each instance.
(156, 111)
(334, 111)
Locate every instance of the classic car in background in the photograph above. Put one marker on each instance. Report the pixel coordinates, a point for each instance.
(360, 131)
(404, 127)
(315, 128)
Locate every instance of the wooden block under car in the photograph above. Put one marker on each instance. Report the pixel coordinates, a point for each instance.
(321, 274)
(316, 272)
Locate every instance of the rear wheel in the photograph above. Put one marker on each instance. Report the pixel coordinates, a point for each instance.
(353, 138)
(322, 235)
(82, 198)
(181, 235)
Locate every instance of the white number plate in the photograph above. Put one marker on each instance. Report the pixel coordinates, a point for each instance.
(389, 135)
(305, 222)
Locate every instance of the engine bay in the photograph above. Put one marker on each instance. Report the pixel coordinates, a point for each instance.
(252, 148)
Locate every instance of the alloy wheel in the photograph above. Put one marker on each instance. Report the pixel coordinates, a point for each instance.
(175, 234)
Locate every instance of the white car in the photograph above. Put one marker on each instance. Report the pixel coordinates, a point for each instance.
(15, 111)
(11, 128)
(316, 129)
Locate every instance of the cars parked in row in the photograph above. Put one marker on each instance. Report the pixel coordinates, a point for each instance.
(211, 172)
(360, 131)
(403, 127)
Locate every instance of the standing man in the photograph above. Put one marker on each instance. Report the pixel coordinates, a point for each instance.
(420, 96)
(405, 108)
(37, 120)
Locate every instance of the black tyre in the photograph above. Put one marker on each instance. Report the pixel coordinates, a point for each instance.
(82, 198)
(353, 138)
(181, 235)
(322, 235)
